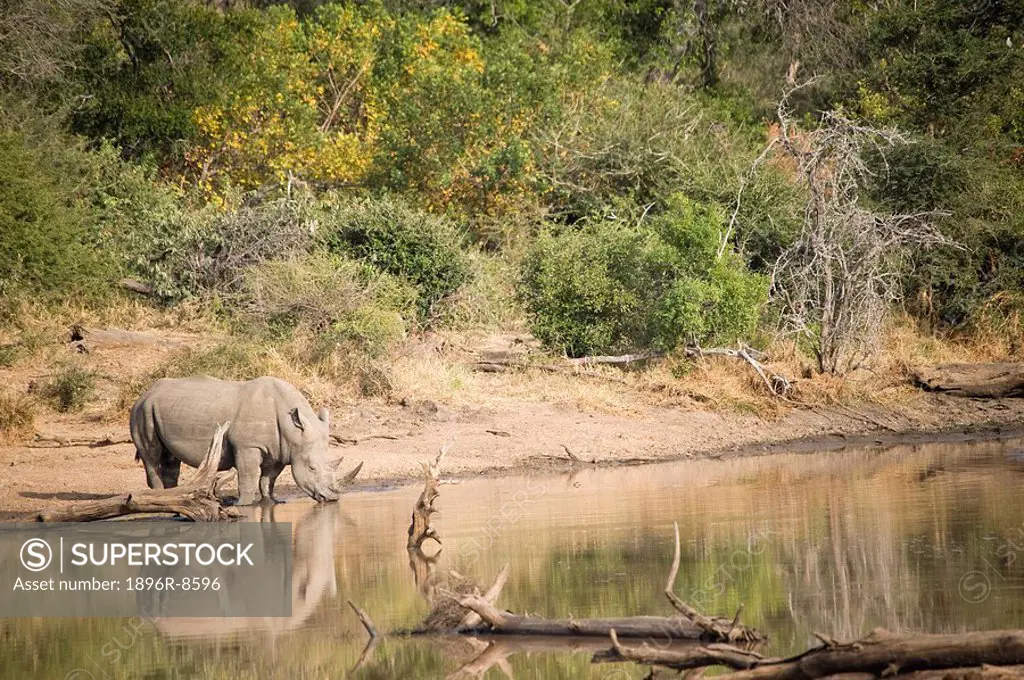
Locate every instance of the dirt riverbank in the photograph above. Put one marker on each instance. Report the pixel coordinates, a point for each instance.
(505, 437)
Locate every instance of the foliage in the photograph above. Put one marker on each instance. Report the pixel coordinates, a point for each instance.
(49, 240)
(328, 295)
(203, 149)
(616, 285)
(185, 253)
(397, 239)
(70, 388)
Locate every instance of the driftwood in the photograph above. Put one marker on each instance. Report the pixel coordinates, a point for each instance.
(885, 654)
(371, 644)
(717, 629)
(352, 441)
(60, 442)
(692, 625)
(986, 381)
(988, 654)
(196, 500)
(657, 627)
(680, 658)
(776, 383)
(420, 529)
(472, 619)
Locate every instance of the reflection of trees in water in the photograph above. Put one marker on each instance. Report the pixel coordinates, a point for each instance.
(888, 544)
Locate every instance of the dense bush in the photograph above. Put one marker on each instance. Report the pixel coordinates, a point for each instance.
(397, 239)
(339, 298)
(50, 242)
(616, 285)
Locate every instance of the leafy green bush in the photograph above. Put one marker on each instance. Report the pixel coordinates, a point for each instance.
(50, 242)
(614, 285)
(397, 239)
(70, 388)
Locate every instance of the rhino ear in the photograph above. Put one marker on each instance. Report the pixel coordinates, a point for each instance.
(296, 419)
(325, 416)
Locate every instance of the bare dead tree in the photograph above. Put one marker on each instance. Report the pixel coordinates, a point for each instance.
(841, 274)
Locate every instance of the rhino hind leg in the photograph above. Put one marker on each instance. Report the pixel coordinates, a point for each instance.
(170, 469)
(153, 476)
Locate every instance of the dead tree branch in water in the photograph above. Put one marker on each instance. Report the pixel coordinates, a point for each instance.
(886, 654)
(371, 630)
(691, 626)
(718, 629)
(472, 619)
(197, 500)
(420, 529)
(986, 654)
(682, 658)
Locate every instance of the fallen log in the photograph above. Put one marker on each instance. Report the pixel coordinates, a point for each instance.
(692, 625)
(620, 359)
(882, 653)
(472, 619)
(197, 500)
(776, 383)
(60, 442)
(983, 381)
(507, 623)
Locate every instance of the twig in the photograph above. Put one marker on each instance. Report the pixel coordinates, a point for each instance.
(572, 456)
(364, 619)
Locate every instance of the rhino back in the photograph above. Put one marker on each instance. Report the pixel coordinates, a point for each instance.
(183, 413)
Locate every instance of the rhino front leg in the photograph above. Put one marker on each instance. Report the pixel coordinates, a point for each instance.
(247, 462)
(268, 479)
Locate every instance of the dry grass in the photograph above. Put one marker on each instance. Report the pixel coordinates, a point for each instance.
(17, 417)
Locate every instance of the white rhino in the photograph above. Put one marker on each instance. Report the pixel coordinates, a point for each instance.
(272, 425)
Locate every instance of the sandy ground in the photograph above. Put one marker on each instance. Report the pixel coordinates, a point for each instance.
(393, 440)
(493, 422)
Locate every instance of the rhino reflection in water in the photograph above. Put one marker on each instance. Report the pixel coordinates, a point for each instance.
(272, 425)
(313, 583)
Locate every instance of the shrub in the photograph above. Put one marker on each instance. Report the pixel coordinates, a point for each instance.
(186, 253)
(70, 388)
(614, 285)
(329, 295)
(49, 242)
(397, 239)
(17, 414)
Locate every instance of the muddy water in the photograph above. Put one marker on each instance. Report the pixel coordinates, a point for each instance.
(925, 538)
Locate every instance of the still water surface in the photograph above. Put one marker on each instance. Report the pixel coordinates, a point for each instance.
(912, 538)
